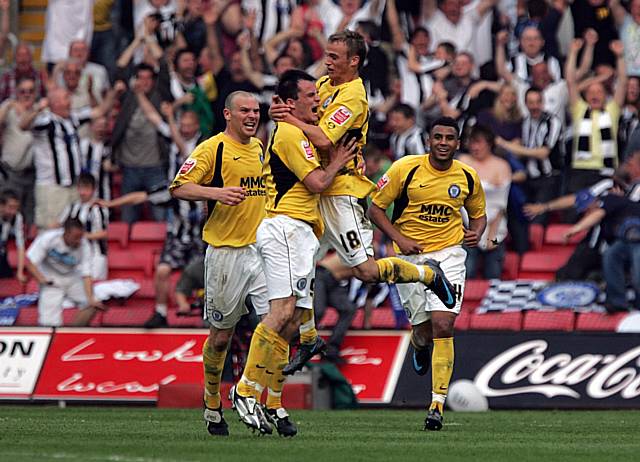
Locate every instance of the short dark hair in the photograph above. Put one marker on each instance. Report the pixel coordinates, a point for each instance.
(445, 122)
(7, 195)
(86, 179)
(449, 47)
(288, 84)
(371, 29)
(405, 110)
(179, 54)
(481, 131)
(145, 67)
(419, 30)
(531, 90)
(281, 57)
(72, 223)
(355, 44)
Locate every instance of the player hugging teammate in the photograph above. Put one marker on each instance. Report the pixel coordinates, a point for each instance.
(315, 188)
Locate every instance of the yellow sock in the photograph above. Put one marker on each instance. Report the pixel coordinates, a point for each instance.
(394, 269)
(213, 365)
(280, 358)
(308, 332)
(441, 370)
(252, 381)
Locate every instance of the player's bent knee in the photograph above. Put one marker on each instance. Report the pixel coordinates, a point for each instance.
(443, 327)
(219, 339)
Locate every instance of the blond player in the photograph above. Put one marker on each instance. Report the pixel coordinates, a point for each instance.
(344, 113)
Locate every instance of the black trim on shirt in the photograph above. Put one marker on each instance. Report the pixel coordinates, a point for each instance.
(470, 182)
(402, 200)
(283, 178)
(217, 181)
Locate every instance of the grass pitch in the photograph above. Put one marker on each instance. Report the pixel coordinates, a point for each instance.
(123, 434)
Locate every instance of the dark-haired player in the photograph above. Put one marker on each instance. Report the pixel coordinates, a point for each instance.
(344, 113)
(428, 192)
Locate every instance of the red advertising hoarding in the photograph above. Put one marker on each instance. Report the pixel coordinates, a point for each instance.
(119, 364)
(131, 364)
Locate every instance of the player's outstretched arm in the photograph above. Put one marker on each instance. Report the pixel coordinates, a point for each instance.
(231, 195)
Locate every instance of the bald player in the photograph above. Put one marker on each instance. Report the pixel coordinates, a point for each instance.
(226, 172)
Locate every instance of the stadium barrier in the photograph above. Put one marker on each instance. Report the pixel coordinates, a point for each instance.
(525, 370)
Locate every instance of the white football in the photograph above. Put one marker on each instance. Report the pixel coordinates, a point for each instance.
(464, 395)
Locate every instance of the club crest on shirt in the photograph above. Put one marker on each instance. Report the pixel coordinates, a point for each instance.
(340, 116)
(187, 166)
(382, 182)
(307, 149)
(327, 102)
(454, 191)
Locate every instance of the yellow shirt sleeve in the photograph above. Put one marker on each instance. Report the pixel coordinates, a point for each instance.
(475, 203)
(297, 153)
(198, 168)
(341, 115)
(389, 187)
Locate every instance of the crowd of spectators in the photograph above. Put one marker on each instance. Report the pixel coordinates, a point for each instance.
(546, 94)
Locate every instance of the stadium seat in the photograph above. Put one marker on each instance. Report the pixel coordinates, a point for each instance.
(536, 236)
(563, 320)
(510, 266)
(329, 319)
(127, 316)
(68, 314)
(462, 320)
(383, 318)
(554, 235)
(148, 236)
(543, 265)
(118, 233)
(496, 321)
(475, 289)
(28, 316)
(130, 264)
(10, 287)
(146, 291)
(148, 231)
(599, 321)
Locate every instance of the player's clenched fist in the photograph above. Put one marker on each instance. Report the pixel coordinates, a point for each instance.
(231, 195)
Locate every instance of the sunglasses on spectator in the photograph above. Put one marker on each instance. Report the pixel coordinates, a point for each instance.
(26, 91)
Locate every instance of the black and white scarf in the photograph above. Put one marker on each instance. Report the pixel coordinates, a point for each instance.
(607, 145)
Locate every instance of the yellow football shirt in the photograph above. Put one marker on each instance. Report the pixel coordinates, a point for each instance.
(427, 201)
(289, 159)
(344, 108)
(219, 162)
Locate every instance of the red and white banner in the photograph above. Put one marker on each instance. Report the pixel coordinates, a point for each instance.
(22, 353)
(119, 364)
(132, 364)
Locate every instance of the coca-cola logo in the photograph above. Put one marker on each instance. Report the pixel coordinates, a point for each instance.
(525, 368)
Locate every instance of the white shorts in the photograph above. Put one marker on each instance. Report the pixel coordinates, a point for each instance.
(347, 229)
(99, 267)
(287, 247)
(418, 303)
(233, 277)
(51, 297)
